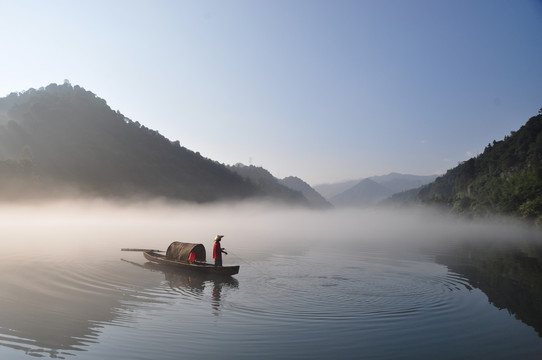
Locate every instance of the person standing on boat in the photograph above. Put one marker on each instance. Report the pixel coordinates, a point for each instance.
(217, 251)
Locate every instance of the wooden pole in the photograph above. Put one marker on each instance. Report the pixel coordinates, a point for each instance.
(126, 249)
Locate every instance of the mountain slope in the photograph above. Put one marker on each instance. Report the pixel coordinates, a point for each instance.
(366, 192)
(268, 183)
(505, 179)
(314, 198)
(330, 190)
(403, 182)
(64, 137)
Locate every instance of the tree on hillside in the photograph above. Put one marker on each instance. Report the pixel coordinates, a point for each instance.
(77, 141)
(506, 178)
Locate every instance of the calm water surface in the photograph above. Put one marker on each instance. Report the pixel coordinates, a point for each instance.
(319, 304)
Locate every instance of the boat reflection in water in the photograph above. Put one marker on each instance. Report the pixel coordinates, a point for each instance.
(62, 310)
(193, 282)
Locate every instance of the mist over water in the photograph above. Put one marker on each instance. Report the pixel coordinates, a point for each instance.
(311, 283)
(87, 228)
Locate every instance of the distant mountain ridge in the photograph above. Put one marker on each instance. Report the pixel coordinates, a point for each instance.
(370, 191)
(332, 189)
(267, 182)
(315, 199)
(401, 182)
(366, 192)
(289, 187)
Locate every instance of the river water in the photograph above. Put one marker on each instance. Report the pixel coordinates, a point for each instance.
(68, 292)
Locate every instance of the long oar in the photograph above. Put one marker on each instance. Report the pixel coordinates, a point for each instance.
(126, 249)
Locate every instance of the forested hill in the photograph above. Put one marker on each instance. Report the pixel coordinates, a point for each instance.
(505, 179)
(64, 138)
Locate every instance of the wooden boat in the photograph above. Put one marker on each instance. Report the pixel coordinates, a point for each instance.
(177, 256)
(195, 266)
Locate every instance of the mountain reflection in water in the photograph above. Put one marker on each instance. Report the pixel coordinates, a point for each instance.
(509, 274)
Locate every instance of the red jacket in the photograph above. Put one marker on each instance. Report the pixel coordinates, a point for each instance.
(217, 250)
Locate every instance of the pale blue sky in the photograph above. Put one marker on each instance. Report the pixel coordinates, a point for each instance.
(322, 90)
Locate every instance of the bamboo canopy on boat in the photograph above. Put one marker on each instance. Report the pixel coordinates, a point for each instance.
(179, 251)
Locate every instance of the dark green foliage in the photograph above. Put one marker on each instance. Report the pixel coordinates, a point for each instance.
(505, 179)
(66, 137)
(17, 177)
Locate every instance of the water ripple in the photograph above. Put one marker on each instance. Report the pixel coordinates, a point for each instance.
(382, 291)
(368, 301)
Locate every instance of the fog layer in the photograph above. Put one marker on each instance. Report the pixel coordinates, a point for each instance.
(98, 228)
